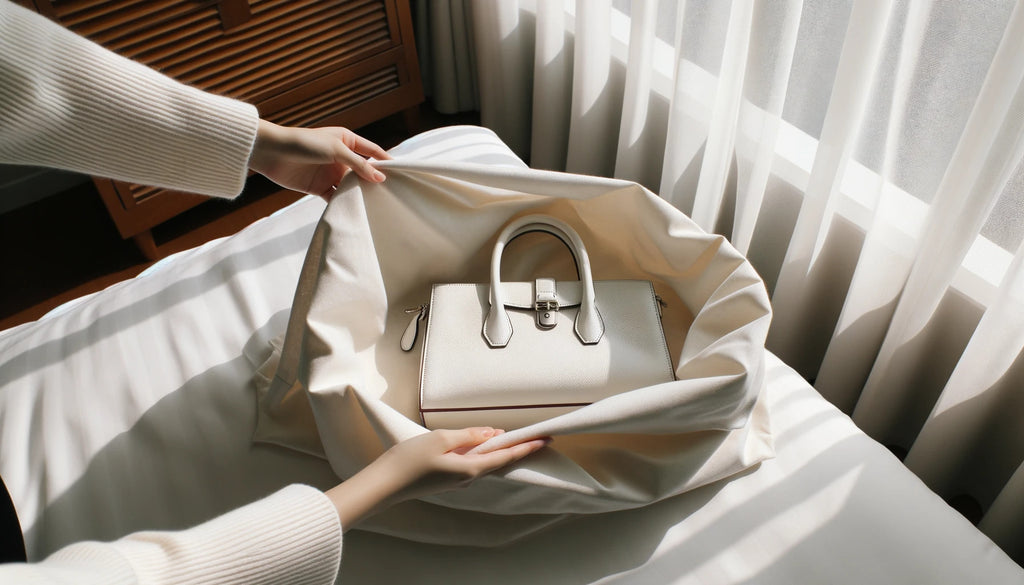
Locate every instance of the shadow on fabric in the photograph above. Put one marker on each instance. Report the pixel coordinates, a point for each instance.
(187, 459)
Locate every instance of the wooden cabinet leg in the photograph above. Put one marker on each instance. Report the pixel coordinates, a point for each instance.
(411, 119)
(147, 245)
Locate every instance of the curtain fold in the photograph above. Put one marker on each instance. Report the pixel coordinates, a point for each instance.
(804, 278)
(447, 55)
(596, 93)
(988, 151)
(552, 97)
(771, 52)
(638, 152)
(979, 410)
(724, 118)
(866, 156)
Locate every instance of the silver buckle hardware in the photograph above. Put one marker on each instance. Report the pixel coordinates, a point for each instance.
(545, 303)
(547, 314)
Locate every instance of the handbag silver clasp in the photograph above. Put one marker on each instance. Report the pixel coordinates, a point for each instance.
(545, 303)
(546, 318)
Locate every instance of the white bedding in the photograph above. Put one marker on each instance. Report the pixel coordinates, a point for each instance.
(134, 409)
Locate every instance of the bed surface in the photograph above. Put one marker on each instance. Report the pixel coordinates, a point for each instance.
(134, 409)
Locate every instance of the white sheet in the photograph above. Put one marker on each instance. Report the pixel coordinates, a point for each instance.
(134, 409)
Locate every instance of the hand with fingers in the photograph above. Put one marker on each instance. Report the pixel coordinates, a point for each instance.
(313, 160)
(430, 463)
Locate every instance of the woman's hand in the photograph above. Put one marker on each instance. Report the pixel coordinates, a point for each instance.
(443, 460)
(427, 464)
(313, 160)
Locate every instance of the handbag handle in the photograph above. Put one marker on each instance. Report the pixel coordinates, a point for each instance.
(589, 326)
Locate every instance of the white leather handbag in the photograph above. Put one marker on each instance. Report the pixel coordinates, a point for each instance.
(510, 354)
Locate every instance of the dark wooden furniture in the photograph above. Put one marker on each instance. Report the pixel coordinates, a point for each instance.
(12, 543)
(301, 62)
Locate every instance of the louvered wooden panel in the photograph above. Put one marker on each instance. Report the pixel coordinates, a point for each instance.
(276, 60)
(349, 95)
(106, 22)
(301, 62)
(199, 26)
(284, 40)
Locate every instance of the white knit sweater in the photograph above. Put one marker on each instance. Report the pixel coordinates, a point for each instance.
(66, 102)
(292, 536)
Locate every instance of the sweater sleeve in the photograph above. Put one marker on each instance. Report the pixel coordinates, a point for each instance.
(66, 102)
(292, 536)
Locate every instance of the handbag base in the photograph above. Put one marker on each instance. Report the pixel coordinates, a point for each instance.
(504, 418)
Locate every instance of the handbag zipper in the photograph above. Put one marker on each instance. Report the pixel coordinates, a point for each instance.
(412, 331)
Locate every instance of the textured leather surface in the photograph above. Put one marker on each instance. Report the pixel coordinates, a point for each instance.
(538, 366)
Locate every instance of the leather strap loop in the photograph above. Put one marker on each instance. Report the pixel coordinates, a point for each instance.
(497, 327)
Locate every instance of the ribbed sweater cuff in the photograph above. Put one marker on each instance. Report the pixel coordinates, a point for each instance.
(66, 102)
(291, 536)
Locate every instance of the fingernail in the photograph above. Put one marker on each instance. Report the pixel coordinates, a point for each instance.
(378, 176)
(489, 433)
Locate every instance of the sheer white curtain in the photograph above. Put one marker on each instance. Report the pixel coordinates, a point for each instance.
(865, 155)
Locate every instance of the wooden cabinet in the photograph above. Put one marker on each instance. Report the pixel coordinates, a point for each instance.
(301, 62)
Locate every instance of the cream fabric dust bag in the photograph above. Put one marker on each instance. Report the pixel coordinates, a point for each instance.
(343, 388)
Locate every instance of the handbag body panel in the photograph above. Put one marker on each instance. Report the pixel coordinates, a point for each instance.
(541, 372)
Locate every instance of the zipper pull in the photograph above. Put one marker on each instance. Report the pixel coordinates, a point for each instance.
(660, 304)
(412, 331)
